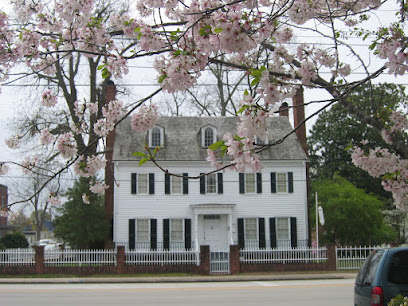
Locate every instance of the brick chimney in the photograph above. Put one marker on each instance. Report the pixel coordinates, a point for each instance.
(299, 118)
(109, 90)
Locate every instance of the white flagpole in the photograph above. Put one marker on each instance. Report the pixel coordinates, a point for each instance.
(317, 227)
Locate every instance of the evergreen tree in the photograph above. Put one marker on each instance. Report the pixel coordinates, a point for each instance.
(82, 225)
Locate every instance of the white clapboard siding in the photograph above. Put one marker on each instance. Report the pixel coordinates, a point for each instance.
(160, 205)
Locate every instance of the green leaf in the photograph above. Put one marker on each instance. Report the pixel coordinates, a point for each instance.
(105, 73)
(246, 92)
(218, 30)
(162, 78)
(141, 154)
(143, 160)
(255, 81)
(216, 145)
(137, 29)
(100, 67)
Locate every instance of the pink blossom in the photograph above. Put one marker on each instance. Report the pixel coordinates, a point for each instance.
(66, 145)
(13, 142)
(29, 163)
(89, 166)
(48, 99)
(98, 188)
(46, 137)
(85, 199)
(4, 169)
(112, 113)
(145, 118)
(54, 200)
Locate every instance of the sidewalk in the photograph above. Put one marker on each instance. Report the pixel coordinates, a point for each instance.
(180, 279)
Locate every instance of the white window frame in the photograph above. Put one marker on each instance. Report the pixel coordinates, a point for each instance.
(180, 231)
(250, 179)
(278, 233)
(151, 136)
(246, 229)
(139, 222)
(281, 183)
(259, 141)
(213, 187)
(204, 143)
(142, 183)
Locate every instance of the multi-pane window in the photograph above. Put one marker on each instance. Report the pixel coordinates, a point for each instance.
(143, 183)
(212, 183)
(208, 136)
(281, 182)
(282, 229)
(156, 137)
(251, 229)
(176, 230)
(176, 184)
(250, 183)
(142, 230)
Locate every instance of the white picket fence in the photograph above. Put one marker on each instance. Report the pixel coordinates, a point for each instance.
(352, 257)
(17, 257)
(79, 257)
(347, 258)
(301, 254)
(162, 257)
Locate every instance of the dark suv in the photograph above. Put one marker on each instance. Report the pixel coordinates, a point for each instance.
(383, 276)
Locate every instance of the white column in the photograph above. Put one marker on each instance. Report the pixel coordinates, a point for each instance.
(196, 231)
(230, 228)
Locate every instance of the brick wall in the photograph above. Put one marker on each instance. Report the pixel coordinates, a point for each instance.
(203, 268)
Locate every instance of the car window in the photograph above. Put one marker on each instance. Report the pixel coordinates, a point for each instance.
(367, 271)
(398, 271)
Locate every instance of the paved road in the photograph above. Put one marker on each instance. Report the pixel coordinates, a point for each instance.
(300, 292)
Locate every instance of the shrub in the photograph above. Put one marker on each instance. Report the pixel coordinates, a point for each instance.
(399, 300)
(14, 241)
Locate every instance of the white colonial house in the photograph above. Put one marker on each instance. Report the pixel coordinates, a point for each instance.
(153, 210)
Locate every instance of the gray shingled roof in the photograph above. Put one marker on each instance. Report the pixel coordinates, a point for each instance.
(182, 138)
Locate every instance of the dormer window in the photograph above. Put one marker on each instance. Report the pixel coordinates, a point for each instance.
(260, 142)
(156, 136)
(208, 136)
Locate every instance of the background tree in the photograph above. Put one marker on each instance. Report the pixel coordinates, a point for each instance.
(336, 130)
(78, 224)
(20, 219)
(352, 217)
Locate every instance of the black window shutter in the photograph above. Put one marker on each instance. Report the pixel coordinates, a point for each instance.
(185, 183)
(293, 232)
(166, 183)
(166, 234)
(153, 234)
(187, 234)
(151, 183)
(202, 184)
(259, 182)
(290, 182)
(133, 183)
(273, 182)
(132, 234)
(241, 182)
(241, 233)
(220, 183)
(261, 233)
(272, 232)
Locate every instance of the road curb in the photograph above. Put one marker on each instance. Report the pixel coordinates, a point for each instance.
(184, 279)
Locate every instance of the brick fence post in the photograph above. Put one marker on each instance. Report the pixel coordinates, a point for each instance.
(205, 268)
(235, 265)
(39, 259)
(120, 260)
(331, 257)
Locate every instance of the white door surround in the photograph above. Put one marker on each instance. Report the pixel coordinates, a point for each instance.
(213, 225)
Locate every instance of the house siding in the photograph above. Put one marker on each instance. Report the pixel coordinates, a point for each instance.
(177, 206)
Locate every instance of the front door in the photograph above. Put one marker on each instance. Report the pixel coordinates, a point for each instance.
(214, 232)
